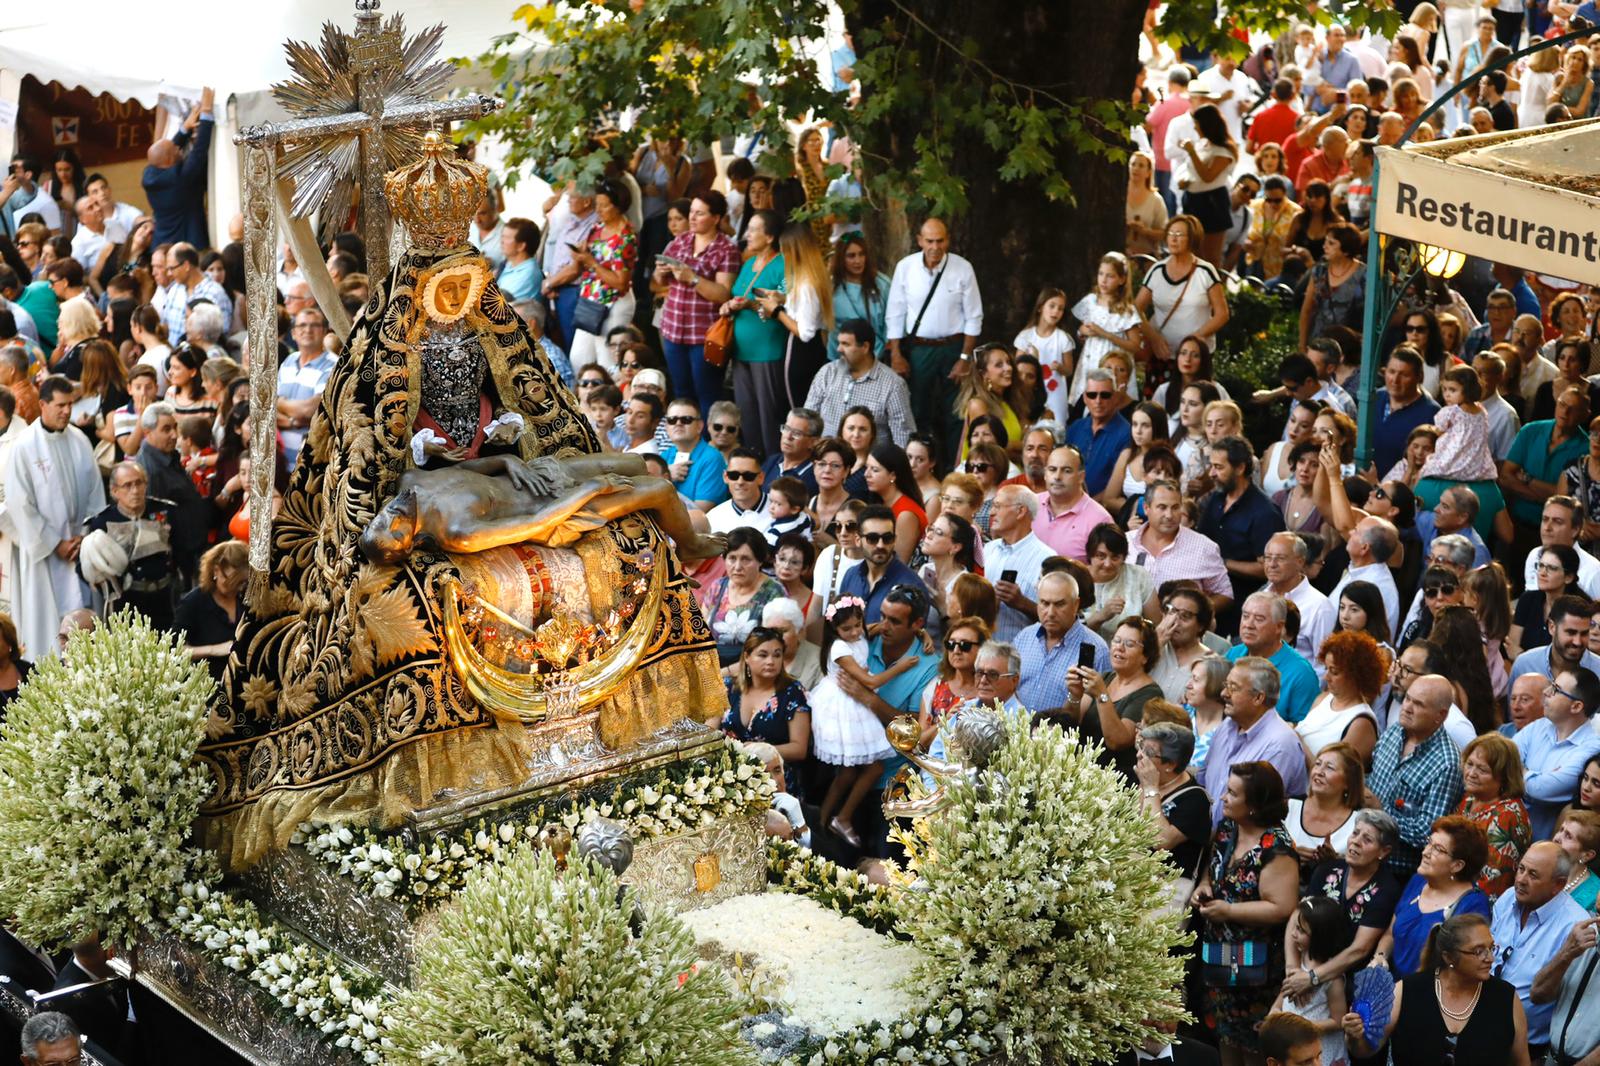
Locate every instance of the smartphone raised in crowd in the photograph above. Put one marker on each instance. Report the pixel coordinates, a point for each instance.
(1086, 655)
(1009, 575)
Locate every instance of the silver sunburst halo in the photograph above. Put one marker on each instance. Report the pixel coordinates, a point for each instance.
(328, 82)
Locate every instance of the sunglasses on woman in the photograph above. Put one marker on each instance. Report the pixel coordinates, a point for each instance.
(977, 468)
(960, 645)
(842, 527)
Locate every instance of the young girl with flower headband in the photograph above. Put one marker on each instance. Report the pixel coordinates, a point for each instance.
(845, 734)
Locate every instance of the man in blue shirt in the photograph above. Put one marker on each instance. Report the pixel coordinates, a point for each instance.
(1402, 406)
(175, 183)
(1529, 925)
(1261, 622)
(1338, 69)
(1556, 748)
(904, 613)
(1455, 512)
(1051, 645)
(693, 464)
(881, 570)
(1102, 434)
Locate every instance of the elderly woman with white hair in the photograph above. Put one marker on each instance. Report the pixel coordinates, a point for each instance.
(801, 657)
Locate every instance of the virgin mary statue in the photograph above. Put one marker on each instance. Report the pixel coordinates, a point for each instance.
(340, 699)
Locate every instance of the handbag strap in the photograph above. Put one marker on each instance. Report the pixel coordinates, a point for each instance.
(1179, 301)
(1577, 998)
(928, 299)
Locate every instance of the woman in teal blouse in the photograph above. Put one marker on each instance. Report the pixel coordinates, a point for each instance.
(759, 339)
(859, 290)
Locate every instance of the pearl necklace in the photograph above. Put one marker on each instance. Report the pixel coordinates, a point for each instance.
(1456, 1016)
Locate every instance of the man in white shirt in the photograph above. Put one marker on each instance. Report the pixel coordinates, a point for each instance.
(95, 237)
(932, 322)
(1013, 558)
(485, 234)
(1559, 523)
(1372, 543)
(1284, 562)
(1231, 89)
(743, 505)
(1503, 421)
(120, 215)
(1181, 129)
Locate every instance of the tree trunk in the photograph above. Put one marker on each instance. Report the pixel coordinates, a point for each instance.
(1018, 239)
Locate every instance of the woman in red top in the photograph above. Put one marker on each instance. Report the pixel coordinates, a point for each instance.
(956, 682)
(889, 476)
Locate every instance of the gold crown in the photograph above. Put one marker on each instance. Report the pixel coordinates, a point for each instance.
(436, 197)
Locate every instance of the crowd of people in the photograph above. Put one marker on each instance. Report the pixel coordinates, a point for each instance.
(1358, 703)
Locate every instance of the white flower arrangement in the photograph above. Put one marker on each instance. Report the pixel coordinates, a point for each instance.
(830, 974)
(1039, 900)
(681, 798)
(99, 788)
(309, 984)
(534, 965)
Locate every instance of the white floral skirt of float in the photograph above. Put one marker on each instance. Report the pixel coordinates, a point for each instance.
(826, 972)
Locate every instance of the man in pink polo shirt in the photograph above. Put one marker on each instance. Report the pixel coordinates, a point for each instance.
(1066, 512)
(1170, 550)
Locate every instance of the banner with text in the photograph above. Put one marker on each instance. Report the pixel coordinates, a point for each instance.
(1506, 220)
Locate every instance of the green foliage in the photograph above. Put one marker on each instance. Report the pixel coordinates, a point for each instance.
(99, 788)
(700, 69)
(1261, 330)
(533, 965)
(1195, 23)
(1040, 903)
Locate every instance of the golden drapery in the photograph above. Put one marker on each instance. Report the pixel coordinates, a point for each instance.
(338, 695)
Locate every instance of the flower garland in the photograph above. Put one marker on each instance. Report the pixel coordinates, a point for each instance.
(308, 983)
(681, 798)
(801, 871)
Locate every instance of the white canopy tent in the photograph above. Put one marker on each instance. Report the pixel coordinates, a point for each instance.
(160, 52)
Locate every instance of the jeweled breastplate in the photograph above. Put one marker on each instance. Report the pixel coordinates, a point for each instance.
(453, 369)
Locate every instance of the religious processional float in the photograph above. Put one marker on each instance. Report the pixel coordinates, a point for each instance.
(455, 800)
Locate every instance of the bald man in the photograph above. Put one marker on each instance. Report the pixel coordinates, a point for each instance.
(933, 319)
(175, 183)
(1416, 769)
(1530, 924)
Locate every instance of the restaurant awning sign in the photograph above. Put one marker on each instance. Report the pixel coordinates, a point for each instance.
(1526, 198)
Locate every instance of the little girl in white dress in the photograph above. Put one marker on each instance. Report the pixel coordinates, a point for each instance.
(845, 734)
(1319, 930)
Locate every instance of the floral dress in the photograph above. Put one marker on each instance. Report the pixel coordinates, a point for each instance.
(619, 252)
(1510, 834)
(1234, 1013)
(730, 631)
(769, 724)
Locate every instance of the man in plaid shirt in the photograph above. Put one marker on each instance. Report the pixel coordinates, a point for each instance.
(1416, 769)
(857, 379)
(189, 283)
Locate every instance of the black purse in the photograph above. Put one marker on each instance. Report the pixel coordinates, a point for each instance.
(589, 316)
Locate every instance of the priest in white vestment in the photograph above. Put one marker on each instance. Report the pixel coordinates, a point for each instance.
(8, 541)
(52, 486)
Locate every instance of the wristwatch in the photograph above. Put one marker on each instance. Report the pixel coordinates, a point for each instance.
(1315, 980)
(1104, 697)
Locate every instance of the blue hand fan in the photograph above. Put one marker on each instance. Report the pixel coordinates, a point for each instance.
(1373, 1000)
